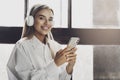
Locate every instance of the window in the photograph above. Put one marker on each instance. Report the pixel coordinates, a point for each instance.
(11, 12)
(82, 13)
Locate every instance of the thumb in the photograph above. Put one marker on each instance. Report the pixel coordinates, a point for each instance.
(59, 52)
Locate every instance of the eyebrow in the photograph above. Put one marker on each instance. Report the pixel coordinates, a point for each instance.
(44, 16)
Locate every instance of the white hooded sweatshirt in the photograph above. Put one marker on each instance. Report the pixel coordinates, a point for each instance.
(32, 60)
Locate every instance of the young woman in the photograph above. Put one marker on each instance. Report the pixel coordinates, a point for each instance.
(36, 56)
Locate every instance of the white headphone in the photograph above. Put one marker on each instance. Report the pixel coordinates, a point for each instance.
(30, 18)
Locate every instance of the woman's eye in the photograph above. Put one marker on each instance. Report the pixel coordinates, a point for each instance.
(51, 19)
(41, 18)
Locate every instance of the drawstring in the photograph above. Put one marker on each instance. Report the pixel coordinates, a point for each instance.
(52, 52)
(50, 37)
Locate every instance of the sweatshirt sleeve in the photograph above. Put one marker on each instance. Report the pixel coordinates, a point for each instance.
(26, 71)
(63, 74)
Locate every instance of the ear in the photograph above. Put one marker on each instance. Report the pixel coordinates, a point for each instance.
(30, 20)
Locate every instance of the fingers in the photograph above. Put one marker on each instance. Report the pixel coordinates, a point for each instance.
(70, 52)
(59, 52)
(67, 55)
(64, 55)
(64, 52)
(68, 48)
(71, 57)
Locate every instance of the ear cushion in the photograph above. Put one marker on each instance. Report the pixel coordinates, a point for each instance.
(30, 21)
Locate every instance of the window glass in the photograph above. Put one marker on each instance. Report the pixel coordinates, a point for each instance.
(60, 8)
(106, 62)
(95, 13)
(11, 12)
(106, 13)
(82, 13)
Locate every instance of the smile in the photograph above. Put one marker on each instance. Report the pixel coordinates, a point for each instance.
(45, 27)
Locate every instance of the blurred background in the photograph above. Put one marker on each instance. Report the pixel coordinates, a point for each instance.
(96, 22)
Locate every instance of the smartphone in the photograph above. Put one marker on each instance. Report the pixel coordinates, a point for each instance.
(73, 42)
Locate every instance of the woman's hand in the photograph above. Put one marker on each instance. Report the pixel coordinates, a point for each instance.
(71, 59)
(62, 56)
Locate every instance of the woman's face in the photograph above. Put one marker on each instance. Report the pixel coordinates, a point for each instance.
(43, 22)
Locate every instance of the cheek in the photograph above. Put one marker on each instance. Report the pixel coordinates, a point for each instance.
(37, 22)
(51, 24)
(36, 25)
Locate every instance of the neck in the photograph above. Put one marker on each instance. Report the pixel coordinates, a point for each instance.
(40, 37)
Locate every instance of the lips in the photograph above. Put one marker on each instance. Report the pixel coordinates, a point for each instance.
(45, 27)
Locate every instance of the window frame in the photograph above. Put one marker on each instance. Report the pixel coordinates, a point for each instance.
(88, 36)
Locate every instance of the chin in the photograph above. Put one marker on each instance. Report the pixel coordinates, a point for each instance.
(45, 33)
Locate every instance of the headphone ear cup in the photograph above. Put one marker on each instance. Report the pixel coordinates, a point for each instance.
(30, 21)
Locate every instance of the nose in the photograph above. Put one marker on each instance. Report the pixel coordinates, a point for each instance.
(47, 22)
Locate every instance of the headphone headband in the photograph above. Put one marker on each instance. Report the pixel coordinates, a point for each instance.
(36, 8)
